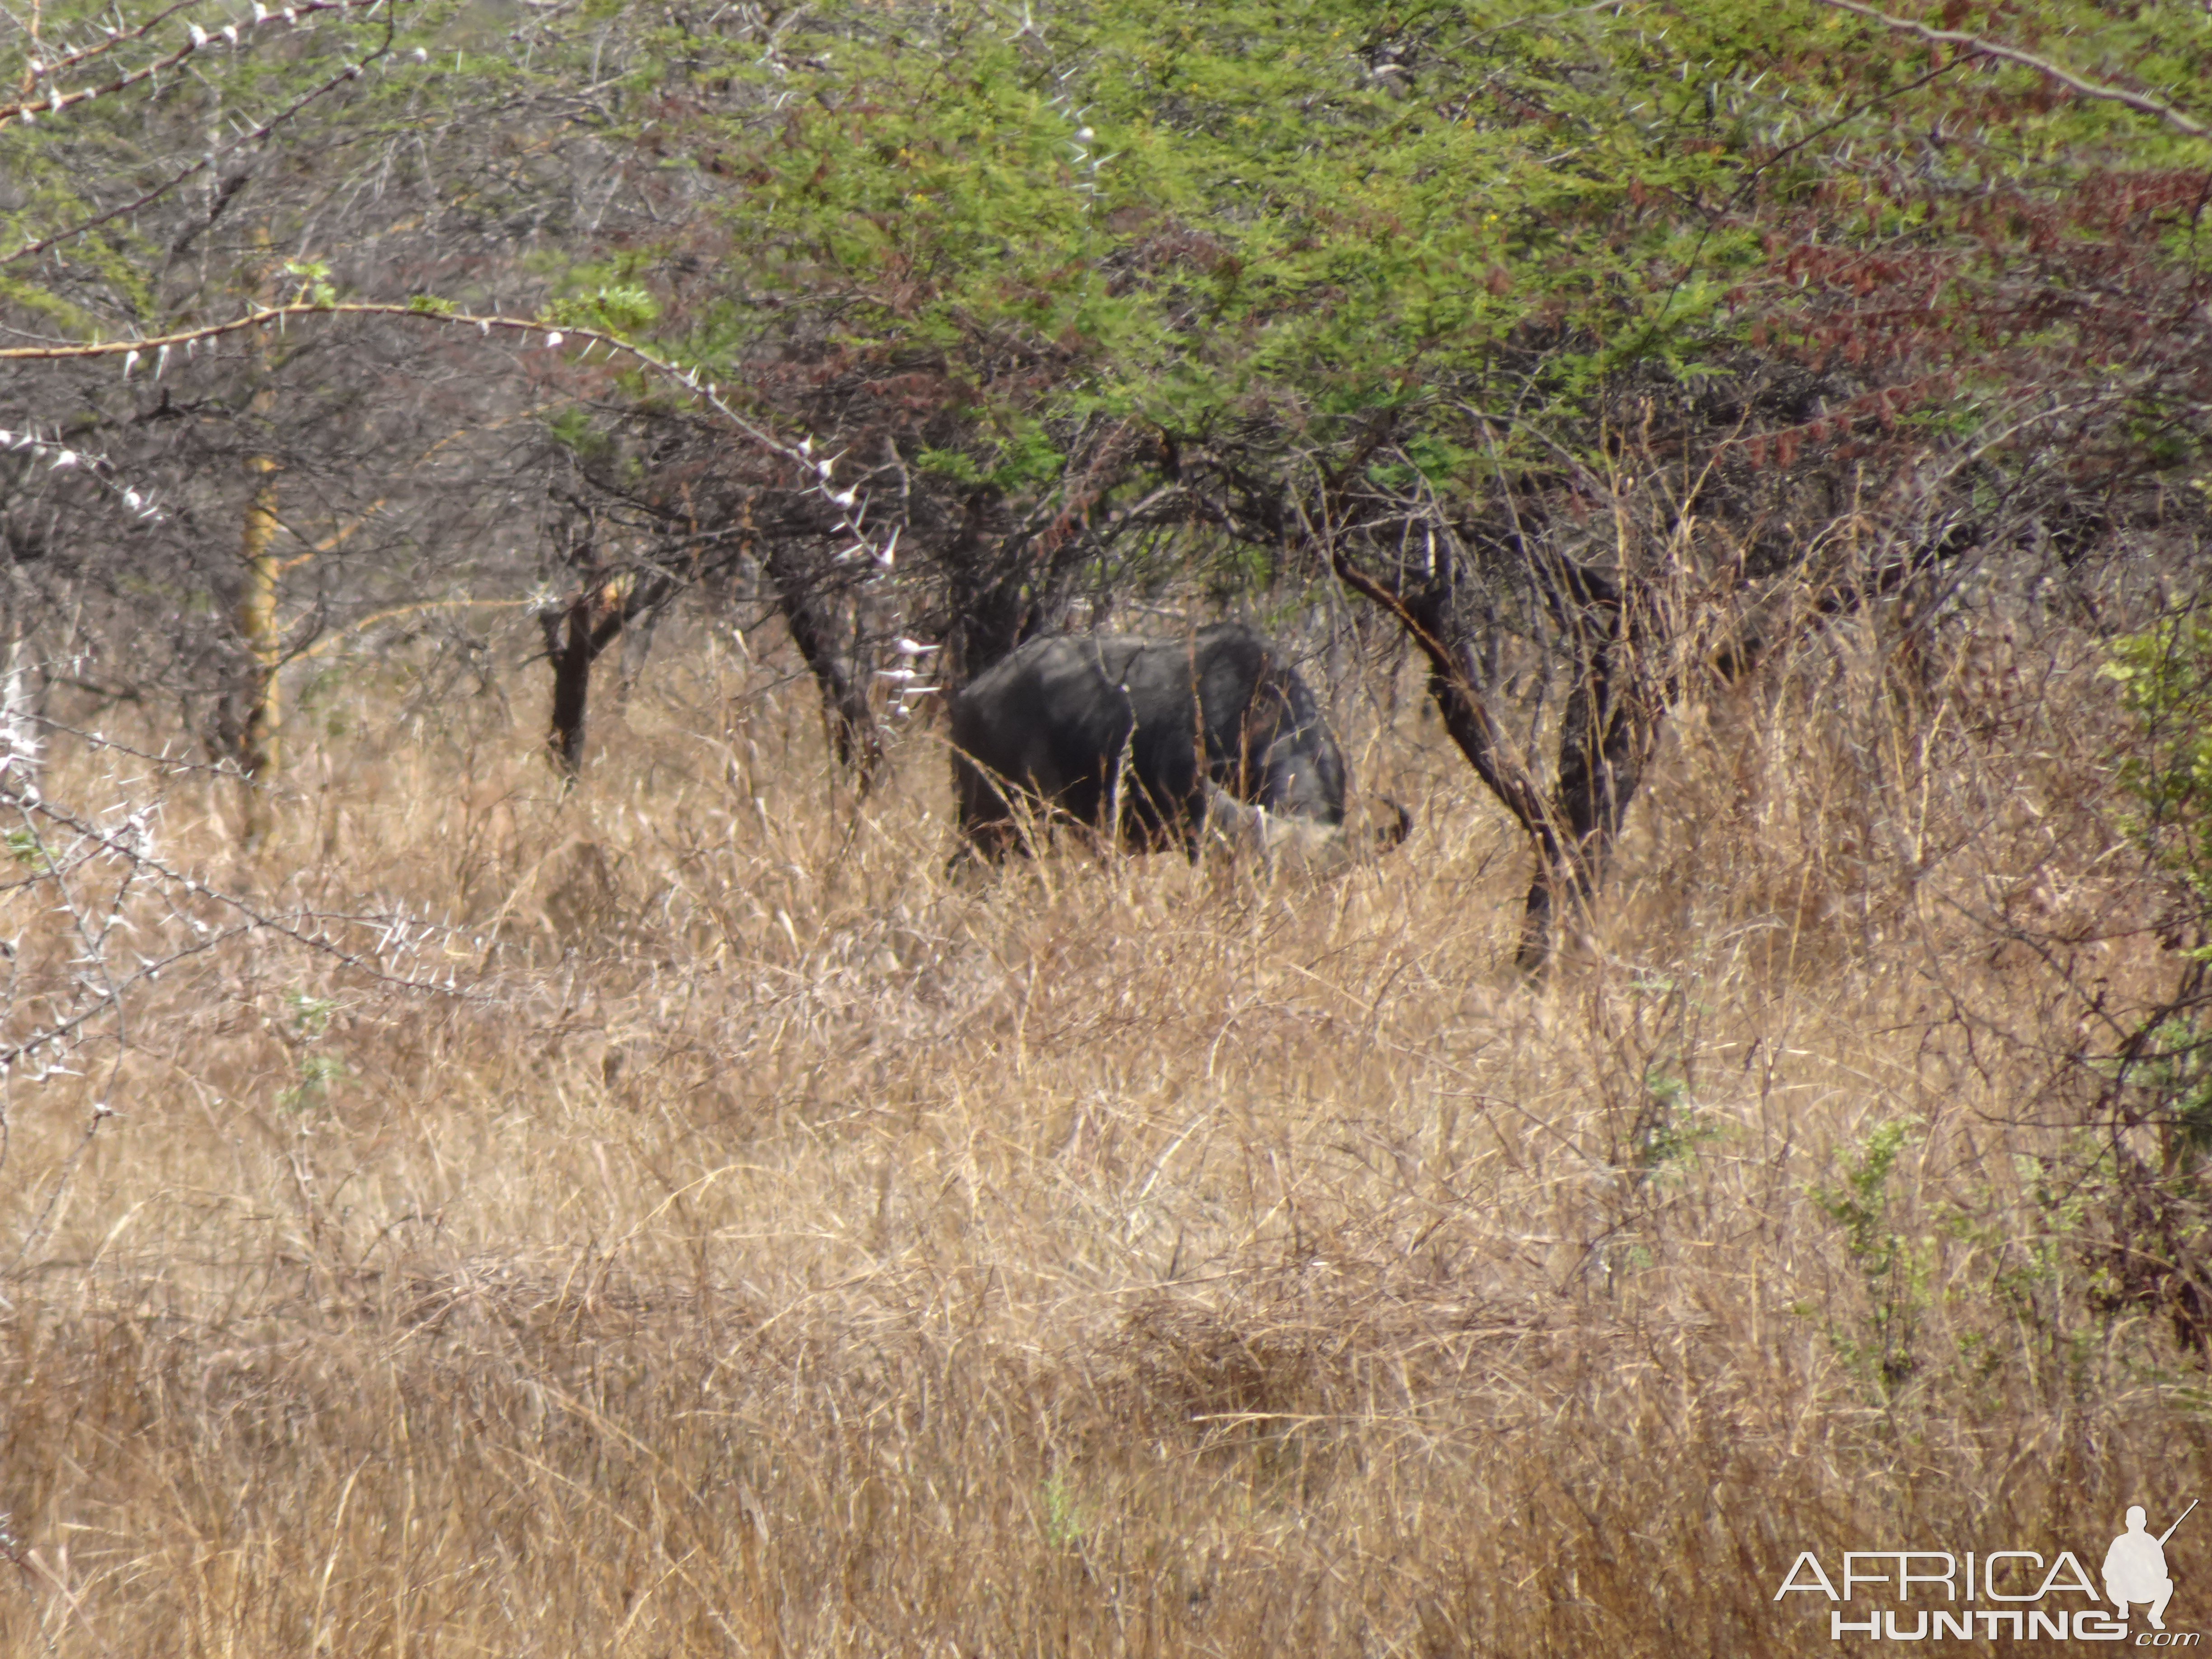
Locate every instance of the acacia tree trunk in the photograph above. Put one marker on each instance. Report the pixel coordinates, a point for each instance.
(21, 752)
(815, 625)
(569, 645)
(577, 633)
(585, 624)
(260, 692)
(576, 630)
(1606, 737)
(258, 729)
(1615, 708)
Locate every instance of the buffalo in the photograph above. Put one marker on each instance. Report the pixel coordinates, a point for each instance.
(1159, 742)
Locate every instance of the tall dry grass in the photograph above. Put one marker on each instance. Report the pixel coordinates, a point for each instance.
(781, 1248)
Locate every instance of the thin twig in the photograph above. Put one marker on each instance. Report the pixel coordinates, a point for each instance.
(2142, 103)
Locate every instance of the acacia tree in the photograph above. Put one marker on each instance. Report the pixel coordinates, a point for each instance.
(1610, 345)
(338, 332)
(1640, 339)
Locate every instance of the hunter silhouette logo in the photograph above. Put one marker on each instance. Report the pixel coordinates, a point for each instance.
(2134, 1568)
(2009, 1594)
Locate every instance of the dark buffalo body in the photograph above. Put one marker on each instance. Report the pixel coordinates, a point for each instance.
(1072, 723)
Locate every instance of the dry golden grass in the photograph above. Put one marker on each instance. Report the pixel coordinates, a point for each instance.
(786, 1249)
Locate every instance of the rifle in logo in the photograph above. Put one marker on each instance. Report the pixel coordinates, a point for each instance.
(2170, 1531)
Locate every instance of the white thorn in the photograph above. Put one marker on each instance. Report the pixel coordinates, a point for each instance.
(553, 339)
(129, 362)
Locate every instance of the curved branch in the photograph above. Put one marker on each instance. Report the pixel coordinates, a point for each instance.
(2141, 103)
(1466, 715)
(557, 335)
(54, 102)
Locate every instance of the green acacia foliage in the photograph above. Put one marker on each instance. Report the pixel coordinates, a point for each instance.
(1475, 217)
(1307, 214)
(1586, 324)
(1606, 326)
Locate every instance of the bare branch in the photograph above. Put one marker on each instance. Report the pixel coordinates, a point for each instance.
(852, 507)
(2141, 103)
(57, 101)
(256, 135)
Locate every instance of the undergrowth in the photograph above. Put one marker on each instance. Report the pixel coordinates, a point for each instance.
(762, 1242)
